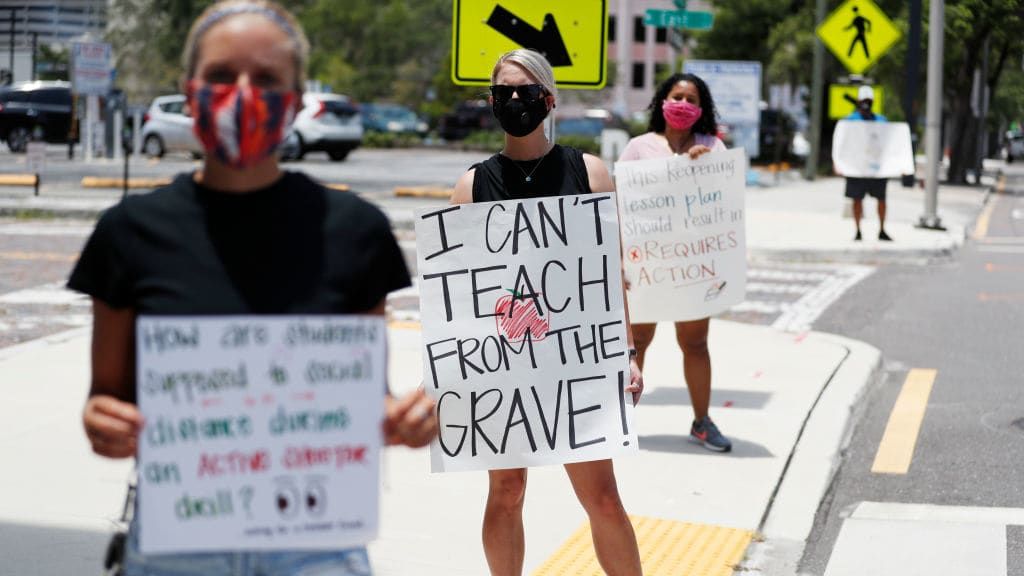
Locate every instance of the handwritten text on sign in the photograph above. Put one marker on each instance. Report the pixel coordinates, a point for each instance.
(683, 235)
(524, 336)
(261, 432)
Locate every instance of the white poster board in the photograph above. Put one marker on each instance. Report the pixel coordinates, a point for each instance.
(872, 149)
(262, 432)
(91, 65)
(524, 335)
(735, 87)
(683, 234)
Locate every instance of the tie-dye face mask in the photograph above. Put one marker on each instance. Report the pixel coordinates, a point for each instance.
(240, 125)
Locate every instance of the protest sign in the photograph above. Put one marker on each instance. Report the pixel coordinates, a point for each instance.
(683, 235)
(524, 335)
(872, 149)
(261, 432)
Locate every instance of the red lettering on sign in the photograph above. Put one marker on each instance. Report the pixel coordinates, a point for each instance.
(233, 462)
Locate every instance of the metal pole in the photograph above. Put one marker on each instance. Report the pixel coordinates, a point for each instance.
(817, 86)
(983, 97)
(10, 45)
(933, 122)
(913, 74)
(622, 62)
(35, 43)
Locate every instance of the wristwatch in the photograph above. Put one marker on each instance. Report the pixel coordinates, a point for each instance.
(632, 353)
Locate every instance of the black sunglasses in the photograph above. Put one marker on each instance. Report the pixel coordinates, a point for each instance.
(525, 91)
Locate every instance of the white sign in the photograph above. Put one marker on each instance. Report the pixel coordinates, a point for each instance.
(524, 335)
(872, 149)
(683, 235)
(736, 89)
(261, 432)
(91, 66)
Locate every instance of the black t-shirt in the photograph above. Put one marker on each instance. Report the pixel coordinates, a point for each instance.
(561, 172)
(294, 247)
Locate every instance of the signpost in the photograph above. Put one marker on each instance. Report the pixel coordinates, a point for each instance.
(858, 33)
(572, 35)
(90, 76)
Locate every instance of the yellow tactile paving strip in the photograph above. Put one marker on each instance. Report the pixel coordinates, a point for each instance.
(667, 548)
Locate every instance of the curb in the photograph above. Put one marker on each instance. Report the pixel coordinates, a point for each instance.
(119, 183)
(424, 192)
(814, 461)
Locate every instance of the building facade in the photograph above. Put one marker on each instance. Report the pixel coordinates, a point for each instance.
(46, 22)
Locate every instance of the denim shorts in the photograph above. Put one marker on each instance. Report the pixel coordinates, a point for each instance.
(348, 562)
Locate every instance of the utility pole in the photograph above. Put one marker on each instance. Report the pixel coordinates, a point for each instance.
(817, 86)
(933, 122)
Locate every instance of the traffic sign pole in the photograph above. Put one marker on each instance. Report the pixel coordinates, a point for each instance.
(933, 121)
(817, 86)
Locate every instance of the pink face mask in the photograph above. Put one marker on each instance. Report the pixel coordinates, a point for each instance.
(680, 114)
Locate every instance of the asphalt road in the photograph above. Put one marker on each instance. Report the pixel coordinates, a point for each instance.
(963, 318)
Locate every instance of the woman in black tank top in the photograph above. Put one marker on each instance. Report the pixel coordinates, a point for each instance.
(523, 94)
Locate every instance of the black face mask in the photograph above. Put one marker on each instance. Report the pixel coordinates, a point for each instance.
(519, 116)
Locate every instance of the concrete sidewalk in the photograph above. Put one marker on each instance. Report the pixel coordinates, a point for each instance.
(767, 384)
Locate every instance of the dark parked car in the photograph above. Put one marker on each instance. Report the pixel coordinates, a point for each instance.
(392, 118)
(469, 116)
(776, 135)
(35, 111)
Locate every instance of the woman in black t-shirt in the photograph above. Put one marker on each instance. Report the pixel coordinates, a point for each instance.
(239, 236)
(523, 93)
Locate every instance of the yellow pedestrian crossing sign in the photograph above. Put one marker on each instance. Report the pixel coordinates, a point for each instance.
(858, 33)
(572, 34)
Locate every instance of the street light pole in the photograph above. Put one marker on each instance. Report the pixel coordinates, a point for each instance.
(817, 86)
(933, 121)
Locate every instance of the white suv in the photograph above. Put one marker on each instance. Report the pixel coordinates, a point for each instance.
(166, 128)
(327, 122)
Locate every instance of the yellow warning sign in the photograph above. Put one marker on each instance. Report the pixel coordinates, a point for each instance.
(572, 34)
(858, 33)
(842, 100)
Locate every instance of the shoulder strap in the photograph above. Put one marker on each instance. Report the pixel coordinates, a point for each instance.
(578, 168)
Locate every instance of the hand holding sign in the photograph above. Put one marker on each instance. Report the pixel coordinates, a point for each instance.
(410, 420)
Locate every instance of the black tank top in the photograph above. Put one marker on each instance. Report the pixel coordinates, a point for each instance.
(562, 172)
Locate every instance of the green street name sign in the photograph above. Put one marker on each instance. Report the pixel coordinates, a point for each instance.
(679, 19)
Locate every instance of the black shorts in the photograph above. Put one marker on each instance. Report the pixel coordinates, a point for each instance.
(856, 188)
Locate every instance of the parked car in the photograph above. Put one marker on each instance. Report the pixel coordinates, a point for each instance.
(392, 118)
(775, 138)
(327, 122)
(35, 111)
(467, 117)
(588, 124)
(1013, 147)
(167, 128)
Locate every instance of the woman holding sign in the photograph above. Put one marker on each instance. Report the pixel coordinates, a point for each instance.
(237, 237)
(523, 94)
(683, 121)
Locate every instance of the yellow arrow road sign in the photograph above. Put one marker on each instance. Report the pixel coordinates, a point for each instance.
(839, 106)
(858, 33)
(572, 34)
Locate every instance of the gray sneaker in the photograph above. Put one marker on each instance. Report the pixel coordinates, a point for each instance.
(705, 433)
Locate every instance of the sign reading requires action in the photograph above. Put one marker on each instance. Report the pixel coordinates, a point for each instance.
(683, 235)
(524, 342)
(858, 33)
(262, 432)
(572, 34)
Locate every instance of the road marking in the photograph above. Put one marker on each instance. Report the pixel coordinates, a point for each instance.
(47, 256)
(991, 267)
(1001, 184)
(981, 228)
(933, 513)
(1000, 297)
(53, 293)
(1001, 249)
(1011, 240)
(667, 548)
(897, 447)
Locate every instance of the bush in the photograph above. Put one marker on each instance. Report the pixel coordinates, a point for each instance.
(373, 139)
(587, 144)
(483, 140)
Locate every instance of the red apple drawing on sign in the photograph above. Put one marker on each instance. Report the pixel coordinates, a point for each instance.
(515, 314)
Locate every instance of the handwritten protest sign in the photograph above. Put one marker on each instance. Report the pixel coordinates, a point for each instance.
(872, 149)
(261, 432)
(524, 336)
(683, 235)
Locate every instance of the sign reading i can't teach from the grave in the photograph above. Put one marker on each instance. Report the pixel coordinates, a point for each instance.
(683, 235)
(524, 335)
(572, 35)
(262, 432)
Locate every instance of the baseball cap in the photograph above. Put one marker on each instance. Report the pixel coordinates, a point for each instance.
(865, 93)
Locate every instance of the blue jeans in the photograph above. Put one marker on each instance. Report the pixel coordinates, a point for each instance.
(350, 562)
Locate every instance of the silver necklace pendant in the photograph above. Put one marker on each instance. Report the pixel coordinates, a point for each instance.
(528, 179)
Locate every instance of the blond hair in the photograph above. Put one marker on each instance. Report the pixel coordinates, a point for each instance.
(535, 64)
(270, 10)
